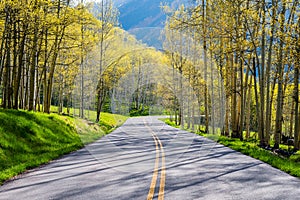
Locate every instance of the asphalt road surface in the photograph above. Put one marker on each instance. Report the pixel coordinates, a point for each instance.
(146, 159)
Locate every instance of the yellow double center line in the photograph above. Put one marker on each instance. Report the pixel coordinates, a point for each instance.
(158, 149)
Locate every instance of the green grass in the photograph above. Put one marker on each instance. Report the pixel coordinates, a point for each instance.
(89, 131)
(289, 165)
(170, 123)
(29, 139)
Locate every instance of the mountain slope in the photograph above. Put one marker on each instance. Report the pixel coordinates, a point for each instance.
(142, 13)
(145, 18)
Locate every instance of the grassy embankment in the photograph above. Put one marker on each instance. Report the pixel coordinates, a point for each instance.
(289, 165)
(29, 139)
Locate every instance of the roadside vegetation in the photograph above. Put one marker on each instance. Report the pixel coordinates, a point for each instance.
(90, 131)
(29, 139)
(241, 60)
(289, 163)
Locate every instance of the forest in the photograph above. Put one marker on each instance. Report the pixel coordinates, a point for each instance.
(226, 67)
(254, 47)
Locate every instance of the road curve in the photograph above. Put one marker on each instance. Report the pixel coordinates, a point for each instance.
(146, 159)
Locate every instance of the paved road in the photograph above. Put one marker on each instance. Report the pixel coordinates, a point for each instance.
(145, 159)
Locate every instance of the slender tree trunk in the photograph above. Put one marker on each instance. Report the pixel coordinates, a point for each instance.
(100, 83)
(242, 110)
(193, 115)
(206, 109)
(4, 50)
(296, 108)
(60, 96)
(20, 68)
(268, 76)
(15, 59)
(234, 106)
(45, 72)
(189, 101)
(248, 113)
(258, 112)
(181, 107)
(81, 114)
(7, 74)
(212, 112)
(2, 54)
(227, 97)
(291, 124)
(33, 67)
(280, 71)
(101, 96)
(261, 74)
